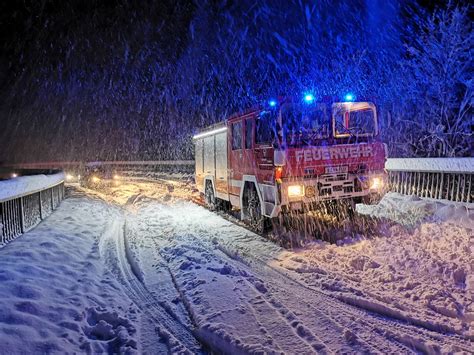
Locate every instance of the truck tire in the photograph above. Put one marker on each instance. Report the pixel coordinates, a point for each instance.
(209, 197)
(252, 209)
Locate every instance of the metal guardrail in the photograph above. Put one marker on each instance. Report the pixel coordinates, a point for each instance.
(436, 178)
(142, 163)
(21, 213)
(145, 168)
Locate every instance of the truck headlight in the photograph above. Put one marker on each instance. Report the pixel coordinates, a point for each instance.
(376, 183)
(295, 191)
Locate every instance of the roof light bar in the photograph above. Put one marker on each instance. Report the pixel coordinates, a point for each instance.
(210, 133)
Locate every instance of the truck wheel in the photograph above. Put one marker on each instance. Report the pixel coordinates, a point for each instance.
(209, 196)
(253, 211)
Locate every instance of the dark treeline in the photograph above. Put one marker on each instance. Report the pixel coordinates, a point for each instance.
(86, 80)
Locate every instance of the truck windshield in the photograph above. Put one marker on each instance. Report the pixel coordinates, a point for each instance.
(357, 120)
(302, 125)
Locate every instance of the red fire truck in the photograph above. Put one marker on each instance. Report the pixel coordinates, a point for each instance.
(290, 156)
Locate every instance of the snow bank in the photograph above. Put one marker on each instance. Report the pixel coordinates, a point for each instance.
(25, 184)
(56, 295)
(454, 165)
(411, 210)
(419, 270)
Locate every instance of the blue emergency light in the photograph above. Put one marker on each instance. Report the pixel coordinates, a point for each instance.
(308, 98)
(349, 97)
(272, 103)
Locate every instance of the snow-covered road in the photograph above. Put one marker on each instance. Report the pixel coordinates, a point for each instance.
(195, 282)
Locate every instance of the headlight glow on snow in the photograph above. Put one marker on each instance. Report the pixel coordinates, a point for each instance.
(69, 177)
(295, 191)
(376, 183)
(95, 179)
(14, 175)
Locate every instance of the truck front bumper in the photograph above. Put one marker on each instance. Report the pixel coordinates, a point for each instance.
(330, 187)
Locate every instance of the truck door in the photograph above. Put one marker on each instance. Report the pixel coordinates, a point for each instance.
(263, 147)
(235, 159)
(248, 157)
(221, 166)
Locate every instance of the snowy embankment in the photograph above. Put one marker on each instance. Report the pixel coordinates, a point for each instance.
(420, 269)
(28, 184)
(56, 294)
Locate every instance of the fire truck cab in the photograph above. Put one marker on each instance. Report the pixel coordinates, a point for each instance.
(290, 156)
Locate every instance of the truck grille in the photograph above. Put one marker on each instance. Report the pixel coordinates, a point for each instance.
(328, 188)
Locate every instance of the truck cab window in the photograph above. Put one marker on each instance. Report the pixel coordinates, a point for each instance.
(264, 128)
(248, 133)
(357, 120)
(236, 135)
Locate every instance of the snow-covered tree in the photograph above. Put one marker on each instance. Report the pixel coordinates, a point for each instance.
(435, 115)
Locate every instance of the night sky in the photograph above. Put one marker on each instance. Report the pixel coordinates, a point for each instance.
(87, 80)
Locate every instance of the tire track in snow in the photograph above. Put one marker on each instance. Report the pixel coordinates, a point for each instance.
(432, 341)
(278, 296)
(265, 308)
(177, 336)
(288, 316)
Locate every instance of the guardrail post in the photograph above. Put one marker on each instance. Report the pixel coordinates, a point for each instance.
(434, 177)
(440, 189)
(22, 215)
(2, 225)
(468, 196)
(458, 198)
(40, 206)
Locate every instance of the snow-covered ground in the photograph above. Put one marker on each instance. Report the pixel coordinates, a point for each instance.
(183, 279)
(56, 294)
